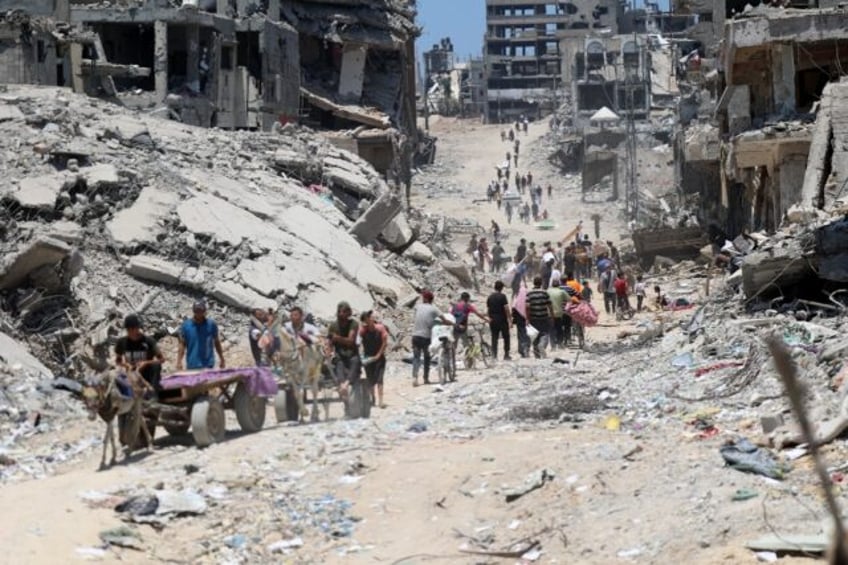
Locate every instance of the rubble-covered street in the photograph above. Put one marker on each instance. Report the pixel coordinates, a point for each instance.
(626, 434)
(163, 159)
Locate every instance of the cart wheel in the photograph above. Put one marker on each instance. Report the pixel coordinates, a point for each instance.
(177, 429)
(250, 409)
(208, 424)
(285, 406)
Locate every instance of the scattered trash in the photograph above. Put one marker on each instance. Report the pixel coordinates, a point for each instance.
(766, 556)
(236, 541)
(682, 361)
(157, 508)
(535, 480)
(630, 553)
(286, 545)
(417, 428)
(747, 457)
(122, 536)
(91, 552)
(612, 423)
(190, 469)
(744, 494)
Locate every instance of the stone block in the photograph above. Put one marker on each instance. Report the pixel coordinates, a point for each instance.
(375, 219)
(461, 271)
(100, 175)
(419, 253)
(154, 269)
(398, 233)
(16, 357)
(41, 192)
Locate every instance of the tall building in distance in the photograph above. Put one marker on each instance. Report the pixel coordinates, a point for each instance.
(523, 62)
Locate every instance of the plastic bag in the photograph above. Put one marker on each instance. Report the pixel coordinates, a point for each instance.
(509, 275)
(532, 332)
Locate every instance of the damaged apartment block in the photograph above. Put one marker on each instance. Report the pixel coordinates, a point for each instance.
(523, 63)
(776, 69)
(358, 63)
(209, 68)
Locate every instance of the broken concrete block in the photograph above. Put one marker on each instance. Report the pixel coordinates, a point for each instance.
(149, 268)
(261, 275)
(322, 301)
(398, 233)
(69, 232)
(141, 222)
(771, 423)
(348, 180)
(100, 175)
(41, 192)
(16, 357)
(42, 251)
(8, 112)
(460, 270)
(419, 253)
(375, 219)
(237, 296)
(295, 162)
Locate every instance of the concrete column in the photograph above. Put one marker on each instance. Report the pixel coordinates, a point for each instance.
(160, 58)
(193, 57)
(353, 71)
(783, 78)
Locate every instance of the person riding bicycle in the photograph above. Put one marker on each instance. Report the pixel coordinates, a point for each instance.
(461, 311)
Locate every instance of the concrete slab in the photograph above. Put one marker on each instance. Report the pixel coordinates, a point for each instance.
(353, 261)
(42, 191)
(142, 222)
(323, 299)
(237, 296)
(375, 219)
(461, 271)
(43, 251)
(213, 217)
(16, 357)
(8, 112)
(100, 175)
(262, 275)
(150, 268)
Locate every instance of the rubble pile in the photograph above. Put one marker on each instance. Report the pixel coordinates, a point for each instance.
(105, 212)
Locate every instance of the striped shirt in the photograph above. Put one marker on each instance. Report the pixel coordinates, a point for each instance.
(538, 304)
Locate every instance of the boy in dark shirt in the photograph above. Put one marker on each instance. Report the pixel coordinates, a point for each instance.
(139, 352)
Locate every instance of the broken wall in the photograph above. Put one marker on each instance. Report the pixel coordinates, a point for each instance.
(28, 56)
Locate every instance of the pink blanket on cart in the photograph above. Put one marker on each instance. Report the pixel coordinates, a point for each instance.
(260, 381)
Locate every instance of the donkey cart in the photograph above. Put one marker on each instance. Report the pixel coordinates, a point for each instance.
(194, 401)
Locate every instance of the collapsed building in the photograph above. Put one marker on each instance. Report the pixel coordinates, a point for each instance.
(750, 163)
(450, 86)
(343, 67)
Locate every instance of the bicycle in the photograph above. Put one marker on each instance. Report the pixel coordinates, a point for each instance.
(477, 349)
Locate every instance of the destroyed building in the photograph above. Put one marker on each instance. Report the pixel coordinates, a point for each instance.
(452, 87)
(522, 51)
(608, 71)
(210, 69)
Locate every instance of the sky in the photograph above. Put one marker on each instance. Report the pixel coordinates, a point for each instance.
(464, 21)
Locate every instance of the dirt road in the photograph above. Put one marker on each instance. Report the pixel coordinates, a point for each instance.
(625, 477)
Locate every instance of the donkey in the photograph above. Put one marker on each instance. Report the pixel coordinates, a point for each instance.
(301, 363)
(103, 398)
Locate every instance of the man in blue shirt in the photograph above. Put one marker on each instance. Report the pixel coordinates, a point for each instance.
(198, 335)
